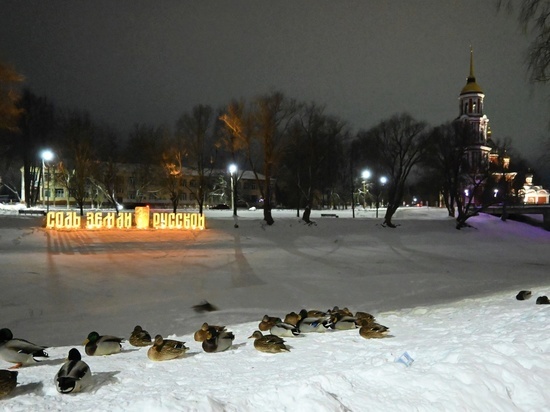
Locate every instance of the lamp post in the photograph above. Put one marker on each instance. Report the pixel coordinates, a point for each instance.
(46, 155)
(383, 181)
(365, 175)
(233, 171)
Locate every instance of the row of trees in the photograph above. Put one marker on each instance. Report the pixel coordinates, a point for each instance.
(313, 156)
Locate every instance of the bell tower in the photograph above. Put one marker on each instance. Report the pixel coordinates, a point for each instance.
(471, 111)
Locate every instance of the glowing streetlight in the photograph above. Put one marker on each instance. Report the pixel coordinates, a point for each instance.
(233, 171)
(46, 155)
(365, 175)
(383, 180)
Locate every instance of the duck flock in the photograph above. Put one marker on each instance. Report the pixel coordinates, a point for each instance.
(75, 374)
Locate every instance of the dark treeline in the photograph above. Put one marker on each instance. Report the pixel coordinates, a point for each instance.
(302, 156)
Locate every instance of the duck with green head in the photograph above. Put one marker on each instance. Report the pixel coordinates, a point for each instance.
(98, 345)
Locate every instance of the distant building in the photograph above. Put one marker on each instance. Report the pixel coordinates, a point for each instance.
(141, 184)
(480, 154)
(534, 194)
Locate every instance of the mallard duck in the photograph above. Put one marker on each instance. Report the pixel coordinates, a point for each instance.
(342, 312)
(74, 375)
(293, 318)
(268, 343)
(267, 322)
(19, 351)
(310, 324)
(364, 316)
(542, 300)
(140, 337)
(283, 329)
(200, 335)
(166, 349)
(373, 331)
(315, 313)
(8, 382)
(97, 345)
(364, 322)
(340, 321)
(523, 295)
(218, 342)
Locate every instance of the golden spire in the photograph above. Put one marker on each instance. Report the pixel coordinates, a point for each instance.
(471, 76)
(471, 85)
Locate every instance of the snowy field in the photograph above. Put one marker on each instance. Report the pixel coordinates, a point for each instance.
(448, 297)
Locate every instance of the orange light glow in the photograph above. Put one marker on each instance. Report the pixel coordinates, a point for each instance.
(188, 221)
(142, 217)
(63, 220)
(125, 220)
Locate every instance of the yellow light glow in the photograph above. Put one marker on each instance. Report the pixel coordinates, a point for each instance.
(109, 220)
(188, 221)
(142, 217)
(63, 220)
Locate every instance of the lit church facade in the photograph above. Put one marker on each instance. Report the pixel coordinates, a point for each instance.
(471, 110)
(479, 152)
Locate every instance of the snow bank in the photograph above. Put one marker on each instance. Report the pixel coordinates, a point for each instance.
(489, 353)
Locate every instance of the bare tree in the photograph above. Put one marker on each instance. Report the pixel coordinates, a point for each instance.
(534, 16)
(78, 160)
(173, 174)
(107, 181)
(195, 132)
(397, 145)
(313, 155)
(37, 125)
(262, 128)
(10, 178)
(144, 153)
(447, 161)
(9, 96)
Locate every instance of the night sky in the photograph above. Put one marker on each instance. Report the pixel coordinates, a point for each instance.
(129, 61)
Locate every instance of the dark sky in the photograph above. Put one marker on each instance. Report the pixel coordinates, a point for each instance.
(129, 61)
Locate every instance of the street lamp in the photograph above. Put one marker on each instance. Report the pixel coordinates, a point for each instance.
(233, 171)
(383, 181)
(365, 175)
(46, 155)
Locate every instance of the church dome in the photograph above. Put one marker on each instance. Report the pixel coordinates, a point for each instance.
(471, 86)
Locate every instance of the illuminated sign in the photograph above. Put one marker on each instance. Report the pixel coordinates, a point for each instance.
(186, 221)
(141, 219)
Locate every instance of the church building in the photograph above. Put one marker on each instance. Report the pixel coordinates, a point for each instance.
(471, 110)
(479, 151)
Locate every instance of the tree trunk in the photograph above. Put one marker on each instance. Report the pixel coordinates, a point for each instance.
(390, 211)
(306, 215)
(267, 215)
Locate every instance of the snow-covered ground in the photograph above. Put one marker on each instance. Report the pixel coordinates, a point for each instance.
(448, 297)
